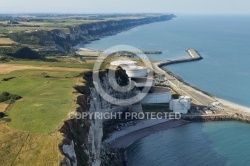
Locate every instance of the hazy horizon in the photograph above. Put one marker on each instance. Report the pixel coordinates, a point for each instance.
(128, 6)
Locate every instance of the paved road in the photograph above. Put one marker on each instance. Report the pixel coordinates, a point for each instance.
(197, 96)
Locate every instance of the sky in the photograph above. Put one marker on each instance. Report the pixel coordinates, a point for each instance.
(126, 6)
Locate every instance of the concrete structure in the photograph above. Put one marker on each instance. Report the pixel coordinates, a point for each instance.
(157, 95)
(181, 105)
(138, 71)
(143, 81)
(127, 63)
(131, 68)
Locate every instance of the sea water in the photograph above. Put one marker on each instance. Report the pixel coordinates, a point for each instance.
(224, 43)
(196, 144)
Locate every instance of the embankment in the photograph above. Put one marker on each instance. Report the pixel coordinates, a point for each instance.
(209, 118)
(193, 56)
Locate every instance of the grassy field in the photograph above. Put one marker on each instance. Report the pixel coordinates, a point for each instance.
(25, 148)
(42, 25)
(82, 65)
(47, 98)
(5, 40)
(32, 137)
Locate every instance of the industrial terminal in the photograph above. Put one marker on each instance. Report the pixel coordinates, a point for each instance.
(158, 93)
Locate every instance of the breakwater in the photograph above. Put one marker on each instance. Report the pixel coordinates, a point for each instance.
(176, 83)
(193, 56)
(218, 117)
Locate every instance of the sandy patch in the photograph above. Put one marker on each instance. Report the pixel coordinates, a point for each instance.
(3, 106)
(4, 40)
(7, 68)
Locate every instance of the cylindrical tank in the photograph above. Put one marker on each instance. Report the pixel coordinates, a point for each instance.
(157, 94)
(138, 71)
(180, 105)
(124, 63)
(143, 81)
(187, 98)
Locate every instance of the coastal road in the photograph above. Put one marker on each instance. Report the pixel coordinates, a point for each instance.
(198, 97)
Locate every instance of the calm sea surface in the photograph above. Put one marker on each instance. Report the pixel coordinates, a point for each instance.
(197, 144)
(223, 41)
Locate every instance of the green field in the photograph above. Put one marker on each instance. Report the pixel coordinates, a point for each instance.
(25, 148)
(53, 64)
(32, 136)
(42, 25)
(47, 98)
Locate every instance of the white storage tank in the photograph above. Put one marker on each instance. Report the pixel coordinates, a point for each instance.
(157, 95)
(143, 81)
(180, 105)
(138, 71)
(187, 98)
(124, 63)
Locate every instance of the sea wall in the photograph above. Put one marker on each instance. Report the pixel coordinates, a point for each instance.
(235, 117)
(193, 56)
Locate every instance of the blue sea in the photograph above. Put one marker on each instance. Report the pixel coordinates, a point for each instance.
(196, 144)
(224, 43)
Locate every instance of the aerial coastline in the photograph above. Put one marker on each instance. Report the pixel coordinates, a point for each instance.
(229, 111)
(105, 141)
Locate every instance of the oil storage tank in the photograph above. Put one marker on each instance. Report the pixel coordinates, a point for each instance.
(181, 105)
(157, 95)
(139, 71)
(124, 63)
(143, 81)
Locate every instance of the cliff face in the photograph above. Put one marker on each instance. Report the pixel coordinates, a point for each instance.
(58, 40)
(94, 31)
(83, 137)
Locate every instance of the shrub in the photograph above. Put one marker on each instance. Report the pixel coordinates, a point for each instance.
(5, 96)
(7, 79)
(26, 53)
(2, 115)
